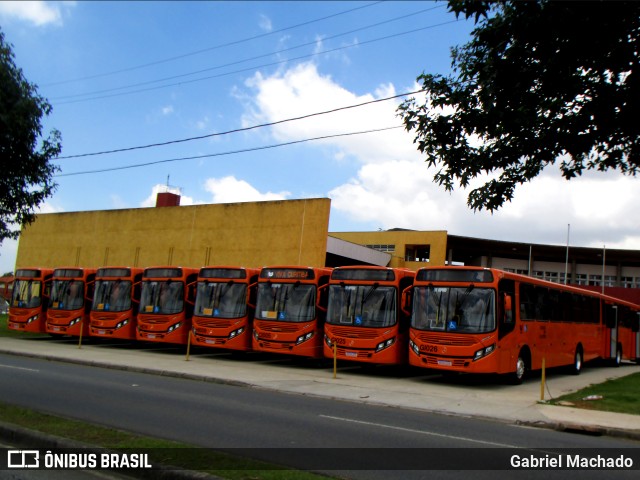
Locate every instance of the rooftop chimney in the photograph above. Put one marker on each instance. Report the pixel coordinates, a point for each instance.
(167, 199)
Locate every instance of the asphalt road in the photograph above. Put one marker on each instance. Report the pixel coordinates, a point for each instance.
(272, 424)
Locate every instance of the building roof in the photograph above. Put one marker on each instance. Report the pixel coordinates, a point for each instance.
(466, 248)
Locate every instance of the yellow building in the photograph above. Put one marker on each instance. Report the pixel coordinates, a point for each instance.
(251, 234)
(408, 248)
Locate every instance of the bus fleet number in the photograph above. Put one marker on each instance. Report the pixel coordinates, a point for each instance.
(429, 348)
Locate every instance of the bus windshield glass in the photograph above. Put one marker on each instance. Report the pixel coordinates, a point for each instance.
(287, 302)
(454, 309)
(161, 297)
(26, 293)
(221, 299)
(112, 296)
(362, 305)
(67, 294)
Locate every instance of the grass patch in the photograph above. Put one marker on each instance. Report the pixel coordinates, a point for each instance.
(617, 395)
(160, 451)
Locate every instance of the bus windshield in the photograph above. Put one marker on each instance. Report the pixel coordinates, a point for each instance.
(112, 295)
(454, 309)
(26, 293)
(362, 305)
(221, 299)
(162, 297)
(67, 294)
(288, 302)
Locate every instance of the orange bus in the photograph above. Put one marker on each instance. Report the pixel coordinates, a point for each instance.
(166, 304)
(6, 286)
(115, 302)
(30, 299)
(70, 301)
(290, 310)
(368, 316)
(481, 320)
(225, 305)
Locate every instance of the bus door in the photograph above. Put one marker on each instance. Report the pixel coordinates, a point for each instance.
(613, 349)
(508, 338)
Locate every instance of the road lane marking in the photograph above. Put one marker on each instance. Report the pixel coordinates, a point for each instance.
(19, 368)
(422, 432)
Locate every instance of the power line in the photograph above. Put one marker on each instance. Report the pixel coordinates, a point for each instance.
(220, 154)
(237, 130)
(280, 62)
(215, 47)
(237, 62)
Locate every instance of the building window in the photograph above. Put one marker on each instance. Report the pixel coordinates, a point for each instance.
(382, 248)
(595, 280)
(581, 279)
(417, 253)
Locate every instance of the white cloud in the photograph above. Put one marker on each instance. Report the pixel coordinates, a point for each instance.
(231, 190)
(265, 23)
(37, 12)
(302, 91)
(393, 186)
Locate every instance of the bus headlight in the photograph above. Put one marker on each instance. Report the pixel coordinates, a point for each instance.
(304, 338)
(122, 324)
(327, 340)
(385, 344)
(32, 319)
(235, 333)
(174, 327)
(414, 347)
(483, 352)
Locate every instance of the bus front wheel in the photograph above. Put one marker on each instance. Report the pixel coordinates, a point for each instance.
(517, 376)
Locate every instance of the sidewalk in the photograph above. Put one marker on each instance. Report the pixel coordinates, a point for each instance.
(376, 385)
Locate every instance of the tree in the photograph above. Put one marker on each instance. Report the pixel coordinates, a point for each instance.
(26, 177)
(539, 83)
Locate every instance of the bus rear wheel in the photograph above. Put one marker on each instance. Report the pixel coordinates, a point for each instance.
(577, 362)
(617, 360)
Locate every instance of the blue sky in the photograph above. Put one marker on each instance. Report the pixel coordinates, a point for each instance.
(130, 74)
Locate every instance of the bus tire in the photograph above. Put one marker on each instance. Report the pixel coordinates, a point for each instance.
(521, 368)
(576, 368)
(617, 360)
